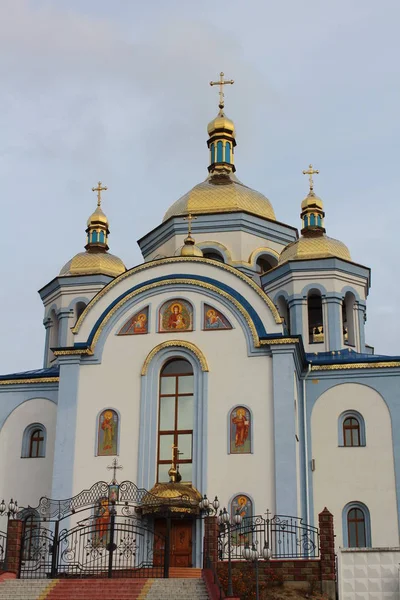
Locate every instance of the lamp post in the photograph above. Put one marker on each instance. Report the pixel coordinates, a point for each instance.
(252, 555)
(10, 510)
(207, 507)
(225, 520)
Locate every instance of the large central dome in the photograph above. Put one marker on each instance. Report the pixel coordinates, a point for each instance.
(222, 193)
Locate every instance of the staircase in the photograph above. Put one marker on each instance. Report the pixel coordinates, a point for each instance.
(189, 588)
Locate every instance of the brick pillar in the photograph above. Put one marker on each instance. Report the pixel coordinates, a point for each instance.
(211, 530)
(14, 543)
(327, 549)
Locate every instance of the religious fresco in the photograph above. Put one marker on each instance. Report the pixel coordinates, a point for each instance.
(213, 319)
(176, 315)
(137, 324)
(102, 520)
(107, 433)
(240, 431)
(243, 505)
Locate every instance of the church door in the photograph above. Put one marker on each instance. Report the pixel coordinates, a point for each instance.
(180, 541)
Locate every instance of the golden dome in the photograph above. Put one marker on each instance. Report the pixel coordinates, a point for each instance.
(318, 246)
(97, 217)
(221, 121)
(190, 248)
(222, 193)
(94, 263)
(178, 497)
(311, 201)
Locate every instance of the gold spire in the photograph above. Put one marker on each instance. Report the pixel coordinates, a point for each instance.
(310, 172)
(97, 225)
(190, 248)
(174, 475)
(221, 84)
(99, 189)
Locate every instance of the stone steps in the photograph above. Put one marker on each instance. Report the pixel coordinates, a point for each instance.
(189, 588)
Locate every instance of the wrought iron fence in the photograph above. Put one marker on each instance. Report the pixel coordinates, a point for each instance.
(285, 537)
(3, 547)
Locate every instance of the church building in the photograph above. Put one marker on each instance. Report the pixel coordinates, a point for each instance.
(235, 351)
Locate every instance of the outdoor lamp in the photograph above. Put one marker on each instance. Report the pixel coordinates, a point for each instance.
(215, 503)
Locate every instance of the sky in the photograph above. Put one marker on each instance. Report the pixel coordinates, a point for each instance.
(119, 91)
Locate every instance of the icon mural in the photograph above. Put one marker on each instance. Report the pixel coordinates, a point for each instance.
(213, 319)
(136, 324)
(243, 505)
(176, 315)
(102, 521)
(108, 433)
(240, 430)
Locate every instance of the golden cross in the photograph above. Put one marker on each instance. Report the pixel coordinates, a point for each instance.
(189, 219)
(99, 189)
(175, 455)
(310, 172)
(221, 84)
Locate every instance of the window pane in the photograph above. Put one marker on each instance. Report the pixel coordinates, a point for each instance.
(167, 413)
(185, 446)
(356, 437)
(185, 384)
(166, 442)
(361, 534)
(163, 473)
(175, 367)
(185, 412)
(347, 437)
(186, 472)
(168, 385)
(352, 534)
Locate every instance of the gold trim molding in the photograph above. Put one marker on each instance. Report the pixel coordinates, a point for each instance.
(278, 341)
(348, 366)
(175, 344)
(29, 381)
(73, 351)
(176, 259)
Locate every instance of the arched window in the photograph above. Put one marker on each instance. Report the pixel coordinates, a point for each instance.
(79, 308)
(175, 424)
(94, 236)
(356, 526)
(227, 152)
(312, 220)
(220, 158)
(212, 150)
(53, 335)
(265, 263)
(284, 311)
(108, 433)
(306, 221)
(315, 318)
(351, 429)
(34, 441)
(213, 255)
(348, 319)
(319, 220)
(102, 237)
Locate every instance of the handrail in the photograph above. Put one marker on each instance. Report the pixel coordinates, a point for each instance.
(209, 565)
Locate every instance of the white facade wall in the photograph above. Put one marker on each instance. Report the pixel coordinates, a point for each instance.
(359, 474)
(368, 574)
(233, 378)
(27, 479)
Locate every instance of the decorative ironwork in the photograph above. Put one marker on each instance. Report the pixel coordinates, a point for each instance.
(285, 537)
(3, 547)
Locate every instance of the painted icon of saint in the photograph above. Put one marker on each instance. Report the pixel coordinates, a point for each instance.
(108, 427)
(102, 521)
(213, 320)
(176, 320)
(242, 423)
(140, 323)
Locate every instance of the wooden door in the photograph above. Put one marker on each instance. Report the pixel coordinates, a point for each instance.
(181, 543)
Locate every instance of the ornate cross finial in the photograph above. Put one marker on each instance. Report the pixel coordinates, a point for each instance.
(310, 172)
(221, 84)
(99, 189)
(189, 219)
(114, 467)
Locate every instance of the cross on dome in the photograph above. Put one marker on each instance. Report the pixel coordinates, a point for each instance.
(310, 172)
(221, 84)
(114, 467)
(189, 219)
(100, 188)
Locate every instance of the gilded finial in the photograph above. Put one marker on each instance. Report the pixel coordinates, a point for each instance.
(99, 189)
(189, 247)
(310, 172)
(173, 472)
(221, 84)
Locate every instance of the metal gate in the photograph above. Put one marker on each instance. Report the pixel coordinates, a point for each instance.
(102, 545)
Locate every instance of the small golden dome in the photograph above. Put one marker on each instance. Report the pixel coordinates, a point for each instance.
(97, 217)
(178, 497)
(94, 263)
(221, 121)
(222, 193)
(190, 248)
(318, 246)
(311, 201)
